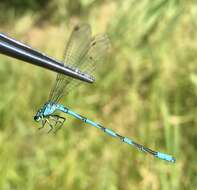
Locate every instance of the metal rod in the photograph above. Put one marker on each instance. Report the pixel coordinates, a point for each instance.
(18, 50)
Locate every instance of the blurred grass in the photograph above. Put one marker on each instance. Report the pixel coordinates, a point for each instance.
(146, 91)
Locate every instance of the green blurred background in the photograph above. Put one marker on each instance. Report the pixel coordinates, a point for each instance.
(146, 90)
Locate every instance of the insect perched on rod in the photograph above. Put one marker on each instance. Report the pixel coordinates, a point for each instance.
(83, 52)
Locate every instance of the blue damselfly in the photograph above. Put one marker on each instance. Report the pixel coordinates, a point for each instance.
(83, 52)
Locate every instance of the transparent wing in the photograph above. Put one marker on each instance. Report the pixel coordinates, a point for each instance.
(95, 53)
(76, 47)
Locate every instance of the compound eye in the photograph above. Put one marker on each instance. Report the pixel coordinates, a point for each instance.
(36, 118)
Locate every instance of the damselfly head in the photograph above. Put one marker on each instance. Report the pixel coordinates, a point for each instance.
(37, 117)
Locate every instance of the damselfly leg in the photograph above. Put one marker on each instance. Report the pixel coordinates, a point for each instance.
(59, 121)
(43, 123)
(53, 121)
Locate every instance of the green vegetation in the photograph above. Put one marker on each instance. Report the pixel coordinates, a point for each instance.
(146, 90)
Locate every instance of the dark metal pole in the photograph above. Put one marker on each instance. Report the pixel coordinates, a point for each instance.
(15, 49)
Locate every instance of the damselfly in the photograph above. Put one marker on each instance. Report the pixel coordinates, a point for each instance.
(83, 52)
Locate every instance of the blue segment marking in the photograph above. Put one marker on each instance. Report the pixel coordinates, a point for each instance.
(128, 141)
(110, 132)
(74, 114)
(93, 123)
(165, 157)
(65, 110)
